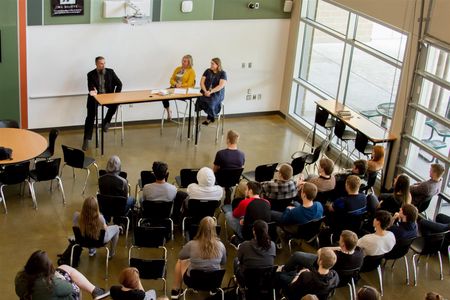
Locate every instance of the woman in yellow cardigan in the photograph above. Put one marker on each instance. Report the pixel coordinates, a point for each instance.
(182, 77)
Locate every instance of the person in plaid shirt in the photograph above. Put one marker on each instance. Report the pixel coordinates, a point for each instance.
(282, 186)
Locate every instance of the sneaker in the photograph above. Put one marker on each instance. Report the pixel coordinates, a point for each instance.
(92, 252)
(175, 294)
(99, 293)
(85, 146)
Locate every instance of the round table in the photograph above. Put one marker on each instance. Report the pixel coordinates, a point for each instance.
(25, 144)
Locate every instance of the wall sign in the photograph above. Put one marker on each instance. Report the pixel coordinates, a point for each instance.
(67, 8)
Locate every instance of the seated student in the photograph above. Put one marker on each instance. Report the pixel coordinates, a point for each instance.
(40, 280)
(426, 189)
(205, 189)
(111, 184)
(359, 169)
(382, 241)
(258, 209)
(297, 283)
(405, 226)
(234, 217)
(282, 186)
(257, 253)
(160, 189)
(325, 181)
(130, 287)
(401, 195)
(354, 203)
(441, 224)
(309, 210)
(205, 252)
(376, 163)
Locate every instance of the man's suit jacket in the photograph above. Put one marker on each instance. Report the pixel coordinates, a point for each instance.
(112, 82)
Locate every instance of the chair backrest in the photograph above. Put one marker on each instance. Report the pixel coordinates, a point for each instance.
(423, 206)
(73, 157)
(316, 153)
(51, 140)
(198, 209)
(228, 177)
(88, 242)
(371, 263)
(114, 206)
(345, 276)
(206, 280)
(9, 124)
(156, 210)
(149, 236)
(361, 142)
(259, 282)
(400, 249)
(188, 176)
(324, 197)
(265, 172)
(310, 230)
(147, 177)
(281, 204)
(122, 174)
(429, 244)
(298, 164)
(149, 268)
(16, 173)
(351, 222)
(339, 128)
(47, 169)
(321, 116)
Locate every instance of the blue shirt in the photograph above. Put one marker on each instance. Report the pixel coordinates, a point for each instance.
(301, 215)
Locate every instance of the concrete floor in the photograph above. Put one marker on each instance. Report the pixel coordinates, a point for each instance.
(264, 139)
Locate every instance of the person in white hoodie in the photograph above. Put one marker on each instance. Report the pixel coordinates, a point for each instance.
(205, 189)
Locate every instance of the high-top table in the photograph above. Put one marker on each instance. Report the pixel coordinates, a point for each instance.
(140, 97)
(25, 144)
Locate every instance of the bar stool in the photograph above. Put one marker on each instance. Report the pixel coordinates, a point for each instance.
(344, 136)
(362, 144)
(322, 119)
(181, 116)
(220, 121)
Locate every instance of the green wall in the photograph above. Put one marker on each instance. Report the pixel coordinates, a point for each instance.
(9, 66)
(238, 9)
(171, 10)
(84, 19)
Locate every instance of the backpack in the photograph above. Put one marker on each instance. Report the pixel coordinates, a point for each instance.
(64, 258)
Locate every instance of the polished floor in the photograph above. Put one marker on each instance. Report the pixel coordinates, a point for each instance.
(264, 139)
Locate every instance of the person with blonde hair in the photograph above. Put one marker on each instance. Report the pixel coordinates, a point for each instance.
(282, 186)
(205, 252)
(212, 86)
(131, 287)
(376, 163)
(182, 77)
(91, 222)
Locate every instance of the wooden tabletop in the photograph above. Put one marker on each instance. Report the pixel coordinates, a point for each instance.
(139, 96)
(25, 144)
(358, 122)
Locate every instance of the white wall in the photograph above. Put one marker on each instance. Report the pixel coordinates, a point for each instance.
(144, 57)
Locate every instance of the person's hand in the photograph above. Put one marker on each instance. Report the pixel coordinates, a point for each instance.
(208, 93)
(93, 92)
(241, 222)
(396, 216)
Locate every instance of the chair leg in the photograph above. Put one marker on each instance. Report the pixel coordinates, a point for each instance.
(380, 277)
(33, 194)
(290, 246)
(126, 233)
(62, 189)
(164, 286)
(85, 182)
(440, 266)
(96, 168)
(107, 261)
(350, 289)
(415, 268)
(407, 269)
(162, 121)
(3, 198)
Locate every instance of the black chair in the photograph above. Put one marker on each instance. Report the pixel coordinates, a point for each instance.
(15, 174)
(115, 207)
(371, 179)
(197, 210)
(158, 213)
(76, 159)
(400, 250)
(210, 281)
(228, 179)
(258, 283)
(423, 206)
(281, 204)
(344, 136)
(308, 232)
(51, 145)
(310, 158)
(146, 178)
(187, 176)
(373, 263)
(322, 119)
(85, 242)
(261, 173)
(428, 245)
(150, 268)
(122, 174)
(298, 165)
(9, 124)
(47, 170)
(324, 197)
(348, 278)
(362, 144)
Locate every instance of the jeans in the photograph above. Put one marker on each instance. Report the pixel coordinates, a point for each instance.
(233, 223)
(112, 236)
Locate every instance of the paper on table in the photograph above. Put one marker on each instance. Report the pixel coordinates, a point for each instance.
(193, 91)
(179, 91)
(160, 92)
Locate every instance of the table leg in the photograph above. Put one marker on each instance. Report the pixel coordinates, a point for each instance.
(197, 117)
(103, 134)
(96, 126)
(189, 120)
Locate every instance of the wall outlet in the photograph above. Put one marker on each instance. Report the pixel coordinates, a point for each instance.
(243, 65)
(254, 97)
(248, 97)
(259, 96)
(249, 65)
(249, 91)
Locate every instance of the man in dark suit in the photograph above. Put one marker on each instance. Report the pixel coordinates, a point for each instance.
(100, 80)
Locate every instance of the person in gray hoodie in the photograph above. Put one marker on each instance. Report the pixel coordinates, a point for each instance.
(205, 189)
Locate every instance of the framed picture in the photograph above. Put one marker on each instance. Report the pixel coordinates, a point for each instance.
(67, 7)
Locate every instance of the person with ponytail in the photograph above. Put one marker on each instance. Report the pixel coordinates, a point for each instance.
(257, 253)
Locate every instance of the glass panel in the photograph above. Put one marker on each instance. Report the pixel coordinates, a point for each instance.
(372, 87)
(419, 161)
(435, 98)
(438, 63)
(321, 61)
(305, 103)
(332, 16)
(381, 38)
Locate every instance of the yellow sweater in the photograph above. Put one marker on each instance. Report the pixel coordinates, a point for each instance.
(188, 79)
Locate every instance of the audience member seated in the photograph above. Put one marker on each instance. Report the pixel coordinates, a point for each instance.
(382, 241)
(205, 189)
(91, 222)
(368, 293)
(111, 184)
(40, 280)
(441, 224)
(205, 252)
(130, 287)
(325, 181)
(376, 163)
(426, 189)
(235, 217)
(359, 169)
(308, 211)
(400, 195)
(405, 226)
(354, 203)
(282, 186)
(296, 281)
(257, 253)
